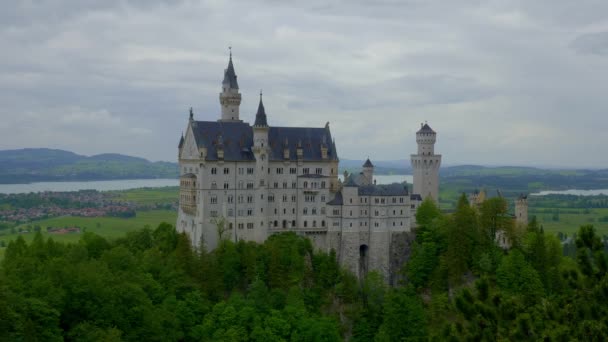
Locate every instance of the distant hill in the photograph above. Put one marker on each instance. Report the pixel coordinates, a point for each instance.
(42, 165)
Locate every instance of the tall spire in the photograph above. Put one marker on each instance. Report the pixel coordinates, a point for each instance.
(260, 116)
(230, 74)
(230, 98)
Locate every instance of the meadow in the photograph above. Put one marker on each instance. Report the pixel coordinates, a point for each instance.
(108, 227)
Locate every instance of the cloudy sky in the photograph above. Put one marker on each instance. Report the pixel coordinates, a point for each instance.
(514, 82)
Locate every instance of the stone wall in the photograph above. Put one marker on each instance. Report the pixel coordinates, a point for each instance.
(400, 251)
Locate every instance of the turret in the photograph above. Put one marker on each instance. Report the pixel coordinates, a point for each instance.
(230, 98)
(521, 209)
(426, 163)
(368, 172)
(260, 142)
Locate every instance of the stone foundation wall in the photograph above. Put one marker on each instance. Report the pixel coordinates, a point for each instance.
(400, 251)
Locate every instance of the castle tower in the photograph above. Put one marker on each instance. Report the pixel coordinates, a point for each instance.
(521, 209)
(230, 98)
(261, 151)
(426, 163)
(368, 172)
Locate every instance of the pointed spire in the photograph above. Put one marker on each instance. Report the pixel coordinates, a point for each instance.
(181, 141)
(368, 163)
(260, 116)
(191, 115)
(230, 74)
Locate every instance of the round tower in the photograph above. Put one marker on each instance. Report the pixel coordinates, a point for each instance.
(521, 209)
(230, 98)
(425, 164)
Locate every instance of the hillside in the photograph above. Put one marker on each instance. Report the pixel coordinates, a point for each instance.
(41, 164)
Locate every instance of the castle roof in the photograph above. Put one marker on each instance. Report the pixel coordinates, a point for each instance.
(230, 75)
(368, 163)
(260, 116)
(337, 200)
(237, 140)
(394, 189)
(425, 129)
(181, 142)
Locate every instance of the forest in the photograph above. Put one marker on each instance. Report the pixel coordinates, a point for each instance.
(458, 285)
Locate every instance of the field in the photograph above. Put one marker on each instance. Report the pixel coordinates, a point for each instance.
(149, 195)
(108, 227)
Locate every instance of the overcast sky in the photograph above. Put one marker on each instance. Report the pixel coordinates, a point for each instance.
(502, 82)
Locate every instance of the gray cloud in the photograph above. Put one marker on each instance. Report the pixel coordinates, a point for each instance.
(503, 82)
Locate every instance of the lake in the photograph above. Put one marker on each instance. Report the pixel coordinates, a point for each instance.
(576, 192)
(134, 184)
(92, 185)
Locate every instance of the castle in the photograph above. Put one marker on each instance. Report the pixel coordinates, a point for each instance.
(245, 182)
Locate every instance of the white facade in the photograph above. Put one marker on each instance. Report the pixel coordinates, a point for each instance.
(245, 182)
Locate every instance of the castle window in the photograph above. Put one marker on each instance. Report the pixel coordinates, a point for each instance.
(394, 200)
(241, 183)
(249, 225)
(293, 170)
(314, 211)
(241, 226)
(351, 200)
(322, 210)
(400, 199)
(276, 185)
(250, 199)
(323, 223)
(305, 211)
(306, 170)
(279, 170)
(240, 198)
(249, 185)
(319, 171)
(230, 226)
(213, 171)
(226, 186)
(293, 223)
(305, 224)
(314, 223)
(213, 213)
(270, 198)
(322, 185)
(284, 185)
(294, 185)
(226, 171)
(249, 170)
(323, 199)
(241, 170)
(284, 198)
(213, 199)
(213, 185)
(230, 213)
(293, 211)
(249, 212)
(293, 198)
(305, 185)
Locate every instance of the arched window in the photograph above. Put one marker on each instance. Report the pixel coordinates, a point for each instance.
(323, 223)
(314, 223)
(293, 223)
(276, 223)
(305, 184)
(305, 224)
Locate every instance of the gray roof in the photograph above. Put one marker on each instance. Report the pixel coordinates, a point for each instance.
(368, 163)
(260, 116)
(394, 189)
(350, 181)
(416, 197)
(338, 200)
(237, 140)
(181, 141)
(230, 75)
(425, 129)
